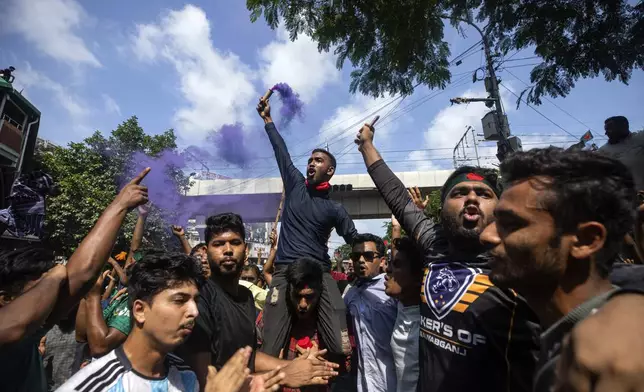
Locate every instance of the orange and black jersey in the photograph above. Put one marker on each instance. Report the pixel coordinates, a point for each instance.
(474, 336)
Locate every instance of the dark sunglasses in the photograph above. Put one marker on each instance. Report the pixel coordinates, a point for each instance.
(369, 256)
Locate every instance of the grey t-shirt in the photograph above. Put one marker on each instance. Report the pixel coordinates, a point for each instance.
(630, 152)
(60, 349)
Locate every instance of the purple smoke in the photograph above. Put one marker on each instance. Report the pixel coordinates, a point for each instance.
(231, 144)
(292, 105)
(162, 189)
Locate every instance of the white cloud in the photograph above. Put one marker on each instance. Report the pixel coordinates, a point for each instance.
(340, 129)
(447, 128)
(27, 78)
(50, 25)
(216, 85)
(298, 63)
(110, 105)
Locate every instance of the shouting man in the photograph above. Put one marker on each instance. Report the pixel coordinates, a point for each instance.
(307, 221)
(473, 335)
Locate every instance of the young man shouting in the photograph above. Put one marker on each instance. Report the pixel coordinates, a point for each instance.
(473, 335)
(307, 221)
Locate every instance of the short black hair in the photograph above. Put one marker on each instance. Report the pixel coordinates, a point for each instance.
(585, 186)
(407, 246)
(327, 153)
(159, 270)
(197, 247)
(227, 221)
(254, 268)
(620, 121)
(305, 272)
(489, 175)
(17, 267)
(367, 237)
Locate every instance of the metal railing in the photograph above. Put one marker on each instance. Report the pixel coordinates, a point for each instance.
(12, 121)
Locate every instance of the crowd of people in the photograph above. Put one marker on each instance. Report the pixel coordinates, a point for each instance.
(521, 285)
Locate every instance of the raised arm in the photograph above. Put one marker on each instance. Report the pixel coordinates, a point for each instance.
(28, 312)
(412, 219)
(87, 261)
(290, 175)
(181, 235)
(100, 338)
(120, 272)
(269, 267)
(139, 229)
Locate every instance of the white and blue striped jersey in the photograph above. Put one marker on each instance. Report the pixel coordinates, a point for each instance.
(114, 373)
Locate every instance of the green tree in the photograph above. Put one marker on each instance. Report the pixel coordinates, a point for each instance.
(345, 250)
(432, 210)
(395, 46)
(89, 174)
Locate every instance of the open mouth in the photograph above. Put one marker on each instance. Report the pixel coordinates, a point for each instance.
(310, 172)
(472, 213)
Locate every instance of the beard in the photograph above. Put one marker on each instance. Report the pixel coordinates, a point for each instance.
(465, 237)
(219, 270)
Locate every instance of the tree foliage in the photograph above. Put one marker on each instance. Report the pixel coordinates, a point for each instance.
(394, 46)
(90, 174)
(344, 250)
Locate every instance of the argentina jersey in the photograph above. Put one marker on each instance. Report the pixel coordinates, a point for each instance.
(114, 373)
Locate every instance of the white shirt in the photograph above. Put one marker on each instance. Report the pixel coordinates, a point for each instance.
(373, 314)
(630, 152)
(404, 345)
(114, 373)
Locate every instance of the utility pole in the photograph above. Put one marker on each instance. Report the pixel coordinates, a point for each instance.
(462, 144)
(492, 87)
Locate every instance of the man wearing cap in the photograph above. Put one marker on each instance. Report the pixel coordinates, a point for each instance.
(473, 335)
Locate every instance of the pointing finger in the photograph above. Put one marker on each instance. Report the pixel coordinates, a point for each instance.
(137, 180)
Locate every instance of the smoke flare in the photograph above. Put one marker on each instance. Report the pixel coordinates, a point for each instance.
(292, 105)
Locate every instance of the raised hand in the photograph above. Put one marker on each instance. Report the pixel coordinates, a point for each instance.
(365, 135)
(178, 231)
(144, 209)
(133, 194)
(264, 109)
(417, 197)
(273, 238)
(231, 376)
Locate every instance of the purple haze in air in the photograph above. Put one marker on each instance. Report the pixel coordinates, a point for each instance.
(230, 144)
(292, 105)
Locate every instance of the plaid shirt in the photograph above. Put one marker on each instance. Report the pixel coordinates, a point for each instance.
(292, 353)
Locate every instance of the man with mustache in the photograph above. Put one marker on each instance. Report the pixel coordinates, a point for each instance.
(305, 279)
(373, 314)
(227, 313)
(559, 227)
(163, 288)
(474, 336)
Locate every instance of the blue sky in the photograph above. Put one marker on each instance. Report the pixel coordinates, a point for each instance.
(196, 66)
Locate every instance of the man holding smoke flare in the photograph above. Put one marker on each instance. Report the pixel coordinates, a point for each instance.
(308, 218)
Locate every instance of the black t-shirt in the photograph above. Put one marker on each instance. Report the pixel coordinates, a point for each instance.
(474, 336)
(225, 324)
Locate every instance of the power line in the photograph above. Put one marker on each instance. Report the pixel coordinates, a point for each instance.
(541, 114)
(522, 65)
(519, 59)
(552, 102)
